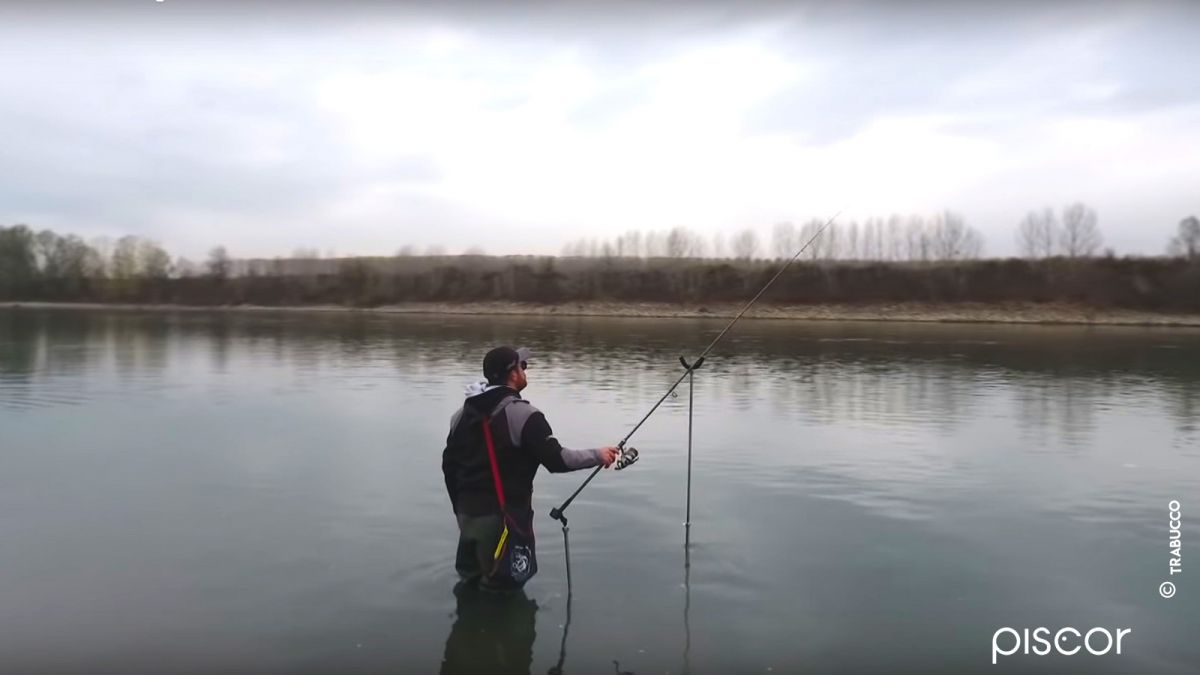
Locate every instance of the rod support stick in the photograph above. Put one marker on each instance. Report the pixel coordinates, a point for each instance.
(691, 399)
(567, 551)
(691, 373)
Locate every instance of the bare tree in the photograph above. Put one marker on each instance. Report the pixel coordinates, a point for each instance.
(218, 263)
(851, 241)
(406, 251)
(894, 250)
(1079, 238)
(918, 241)
(255, 267)
(124, 263)
(808, 233)
(62, 257)
(831, 242)
(1048, 232)
(879, 236)
(44, 243)
(74, 259)
(953, 239)
(783, 240)
(719, 245)
(103, 246)
(1037, 233)
(630, 244)
(654, 245)
(186, 268)
(1187, 243)
(1029, 236)
(873, 244)
(745, 245)
(679, 242)
(572, 249)
(153, 261)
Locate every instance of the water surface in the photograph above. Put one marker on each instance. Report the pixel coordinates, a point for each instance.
(202, 492)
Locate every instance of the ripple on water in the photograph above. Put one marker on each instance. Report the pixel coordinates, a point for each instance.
(21, 396)
(1118, 507)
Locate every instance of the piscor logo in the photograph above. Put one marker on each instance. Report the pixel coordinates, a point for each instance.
(1067, 641)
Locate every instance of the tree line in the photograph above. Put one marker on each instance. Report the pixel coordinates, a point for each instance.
(1074, 233)
(934, 259)
(944, 236)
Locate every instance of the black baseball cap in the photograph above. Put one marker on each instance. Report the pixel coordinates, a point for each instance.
(500, 360)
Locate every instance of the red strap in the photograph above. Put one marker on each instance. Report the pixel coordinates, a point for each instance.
(487, 435)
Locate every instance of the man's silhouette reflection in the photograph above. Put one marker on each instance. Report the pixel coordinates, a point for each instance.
(493, 632)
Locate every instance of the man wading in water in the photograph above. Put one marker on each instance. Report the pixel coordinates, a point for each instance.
(495, 542)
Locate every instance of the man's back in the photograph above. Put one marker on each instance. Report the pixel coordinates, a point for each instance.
(522, 440)
(465, 462)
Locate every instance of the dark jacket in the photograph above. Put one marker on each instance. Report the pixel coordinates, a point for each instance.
(523, 441)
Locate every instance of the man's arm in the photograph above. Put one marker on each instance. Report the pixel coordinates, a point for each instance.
(451, 479)
(448, 468)
(538, 438)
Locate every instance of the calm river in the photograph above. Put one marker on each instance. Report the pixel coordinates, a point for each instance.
(228, 493)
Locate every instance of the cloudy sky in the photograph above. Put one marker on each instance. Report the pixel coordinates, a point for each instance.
(360, 127)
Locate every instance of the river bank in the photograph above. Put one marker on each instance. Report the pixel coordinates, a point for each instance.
(1048, 313)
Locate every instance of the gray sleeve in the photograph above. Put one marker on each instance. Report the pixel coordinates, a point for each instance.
(581, 459)
(530, 431)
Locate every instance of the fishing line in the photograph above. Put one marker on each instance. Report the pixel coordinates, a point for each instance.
(630, 455)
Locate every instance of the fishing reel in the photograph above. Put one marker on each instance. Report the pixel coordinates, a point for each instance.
(625, 457)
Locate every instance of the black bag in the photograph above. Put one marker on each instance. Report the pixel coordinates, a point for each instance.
(515, 558)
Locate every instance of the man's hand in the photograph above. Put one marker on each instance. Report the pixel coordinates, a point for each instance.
(608, 456)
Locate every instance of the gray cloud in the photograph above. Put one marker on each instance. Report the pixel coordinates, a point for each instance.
(200, 122)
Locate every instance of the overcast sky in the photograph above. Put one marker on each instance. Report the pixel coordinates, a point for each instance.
(361, 127)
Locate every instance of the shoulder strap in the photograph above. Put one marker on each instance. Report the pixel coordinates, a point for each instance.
(491, 448)
(504, 403)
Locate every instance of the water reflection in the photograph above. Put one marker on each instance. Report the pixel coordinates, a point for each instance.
(687, 608)
(557, 668)
(492, 633)
(1067, 406)
(934, 376)
(18, 344)
(219, 334)
(1185, 408)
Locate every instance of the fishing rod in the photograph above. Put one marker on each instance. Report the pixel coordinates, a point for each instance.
(630, 455)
